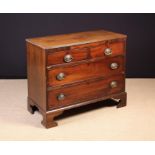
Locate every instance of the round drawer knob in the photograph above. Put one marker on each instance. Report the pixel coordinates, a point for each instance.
(68, 58)
(113, 84)
(114, 65)
(61, 97)
(108, 51)
(60, 76)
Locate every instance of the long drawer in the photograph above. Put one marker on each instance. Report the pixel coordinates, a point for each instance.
(79, 72)
(92, 89)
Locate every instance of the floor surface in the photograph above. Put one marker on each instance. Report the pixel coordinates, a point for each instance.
(136, 121)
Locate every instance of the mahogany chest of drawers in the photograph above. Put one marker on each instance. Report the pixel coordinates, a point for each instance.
(71, 70)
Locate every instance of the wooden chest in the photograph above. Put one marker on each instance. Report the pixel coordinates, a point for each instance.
(71, 70)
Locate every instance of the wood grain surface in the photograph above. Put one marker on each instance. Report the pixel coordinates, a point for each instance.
(85, 70)
(85, 91)
(87, 51)
(36, 73)
(87, 77)
(56, 41)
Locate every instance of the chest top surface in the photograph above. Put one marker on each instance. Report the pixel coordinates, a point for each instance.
(56, 41)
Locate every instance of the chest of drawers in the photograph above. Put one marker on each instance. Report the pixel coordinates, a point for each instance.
(71, 70)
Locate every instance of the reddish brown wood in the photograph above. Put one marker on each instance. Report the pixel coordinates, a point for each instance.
(36, 73)
(88, 51)
(87, 76)
(80, 92)
(48, 118)
(117, 48)
(58, 57)
(57, 41)
(85, 70)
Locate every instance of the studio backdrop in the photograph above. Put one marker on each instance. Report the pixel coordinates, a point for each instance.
(15, 28)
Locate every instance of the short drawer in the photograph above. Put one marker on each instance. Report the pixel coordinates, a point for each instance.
(87, 51)
(83, 71)
(85, 91)
(109, 49)
(66, 56)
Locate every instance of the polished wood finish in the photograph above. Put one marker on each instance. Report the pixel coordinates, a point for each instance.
(85, 52)
(94, 88)
(65, 40)
(48, 118)
(86, 70)
(88, 76)
(58, 57)
(36, 73)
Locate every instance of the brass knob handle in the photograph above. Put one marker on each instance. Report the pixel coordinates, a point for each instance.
(61, 97)
(108, 51)
(60, 76)
(113, 84)
(114, 65)
(68, 58)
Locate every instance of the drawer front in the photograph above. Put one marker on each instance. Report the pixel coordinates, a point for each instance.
(85, 91)
(108, 49)
(60, 57)
(87, 51)
(84, 71)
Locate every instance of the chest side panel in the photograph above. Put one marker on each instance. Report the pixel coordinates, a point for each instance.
(36, 74)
